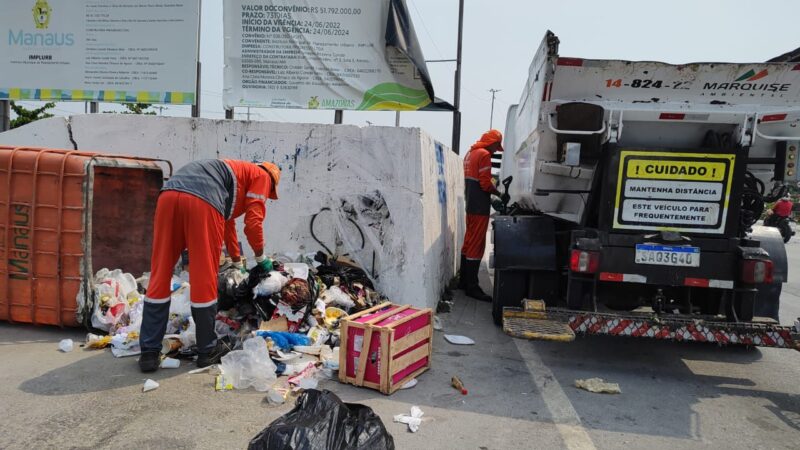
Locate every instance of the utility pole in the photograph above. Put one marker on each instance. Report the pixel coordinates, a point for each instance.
(338, 116)
(229, 113)
(457, 95)
(491, 115)
(248, 114)
(5, 115)
(197, 87)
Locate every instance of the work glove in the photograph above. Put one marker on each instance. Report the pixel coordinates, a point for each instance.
(239, 265)
(505, 198)
(264, 262)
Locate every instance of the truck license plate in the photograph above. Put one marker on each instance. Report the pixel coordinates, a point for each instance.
(666, 255)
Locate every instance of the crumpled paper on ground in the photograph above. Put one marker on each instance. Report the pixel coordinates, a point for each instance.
(413, 420)
(597, 385)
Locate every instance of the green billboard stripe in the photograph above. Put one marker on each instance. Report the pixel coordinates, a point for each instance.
(393, 96)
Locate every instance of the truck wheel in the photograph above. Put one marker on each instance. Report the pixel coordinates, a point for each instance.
(509, 290)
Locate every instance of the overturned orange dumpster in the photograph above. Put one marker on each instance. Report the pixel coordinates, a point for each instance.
(63, 215)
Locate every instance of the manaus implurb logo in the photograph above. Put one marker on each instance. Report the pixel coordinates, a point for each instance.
(41, 14)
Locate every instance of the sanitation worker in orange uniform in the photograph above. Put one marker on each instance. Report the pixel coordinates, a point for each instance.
(478, 188)
(196, 210)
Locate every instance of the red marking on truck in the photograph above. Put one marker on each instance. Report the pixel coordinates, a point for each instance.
(671, 116)
(774, 117)
(571, 62)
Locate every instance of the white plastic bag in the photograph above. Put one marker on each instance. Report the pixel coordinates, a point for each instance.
(334, 295)
(188, 337)
(270, 285)
(66, 345)
(251, 366)
(298, 270)
(180, 302)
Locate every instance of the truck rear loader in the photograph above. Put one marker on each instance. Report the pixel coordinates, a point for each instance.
(637, 190)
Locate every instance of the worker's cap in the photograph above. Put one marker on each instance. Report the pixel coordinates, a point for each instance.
(274, 173)
(490, 137)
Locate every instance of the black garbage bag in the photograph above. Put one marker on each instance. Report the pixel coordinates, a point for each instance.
(321, 421)
(244, 291)
(347, 275)
(227, 288)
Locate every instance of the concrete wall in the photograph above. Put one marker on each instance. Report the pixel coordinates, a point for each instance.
(396, 186)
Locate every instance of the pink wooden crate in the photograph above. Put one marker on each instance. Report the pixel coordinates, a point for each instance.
(385, 346)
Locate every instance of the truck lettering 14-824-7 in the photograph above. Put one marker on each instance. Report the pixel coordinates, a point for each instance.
(647, 84)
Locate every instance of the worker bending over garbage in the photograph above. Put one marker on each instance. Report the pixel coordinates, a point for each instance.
(479, 188)
(196, 210)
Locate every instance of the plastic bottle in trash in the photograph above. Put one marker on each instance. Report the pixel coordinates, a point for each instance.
(456, 382)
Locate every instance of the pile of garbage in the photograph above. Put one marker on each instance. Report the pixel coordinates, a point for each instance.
(282, 322)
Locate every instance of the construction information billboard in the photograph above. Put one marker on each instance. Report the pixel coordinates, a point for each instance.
(323, 54)
(675, 191)
(141, 51)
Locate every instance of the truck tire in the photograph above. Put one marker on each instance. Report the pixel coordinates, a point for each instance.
(510, 287)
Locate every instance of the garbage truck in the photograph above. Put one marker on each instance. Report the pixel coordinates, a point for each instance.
(637, 190)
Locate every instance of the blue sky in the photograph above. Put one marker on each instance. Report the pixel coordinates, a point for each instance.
(500, 37)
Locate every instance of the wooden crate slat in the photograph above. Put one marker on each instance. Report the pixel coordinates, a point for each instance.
(377, 319)
(410, 340)
(409, 317)
(363, 356)
(367, 311)
(410, 358)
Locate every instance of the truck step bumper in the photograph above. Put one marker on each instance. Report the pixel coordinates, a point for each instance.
(531, 322)
(556, 324)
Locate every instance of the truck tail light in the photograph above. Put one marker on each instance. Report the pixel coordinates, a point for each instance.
(756, 271)
(583, 261)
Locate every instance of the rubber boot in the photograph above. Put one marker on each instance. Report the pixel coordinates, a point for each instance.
(208, 350)
(154, 325)
(473, 289)
(462, 276)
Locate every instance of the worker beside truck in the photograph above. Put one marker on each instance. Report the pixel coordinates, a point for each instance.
(196, 211)
(478, 189)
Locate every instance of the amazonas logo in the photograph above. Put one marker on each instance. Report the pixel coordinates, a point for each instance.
(41, 14)
(751, 75)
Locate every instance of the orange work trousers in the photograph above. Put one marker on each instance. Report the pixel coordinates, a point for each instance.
(475, 237)
(184, 221)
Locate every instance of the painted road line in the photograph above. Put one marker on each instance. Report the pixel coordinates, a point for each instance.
(561, 410)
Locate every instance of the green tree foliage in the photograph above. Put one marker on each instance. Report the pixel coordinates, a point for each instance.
(138, 108)
(26, 116)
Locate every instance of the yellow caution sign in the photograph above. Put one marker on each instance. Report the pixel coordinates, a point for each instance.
(676, 170)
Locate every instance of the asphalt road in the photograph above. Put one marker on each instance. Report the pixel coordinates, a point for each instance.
(521, 394)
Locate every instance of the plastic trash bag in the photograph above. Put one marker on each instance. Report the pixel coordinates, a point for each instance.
(335, 296)
(180, 303)
(321, 421)
(251, 366)
(284, 340)
(228, 282)
(272, 284)
(298, 270)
